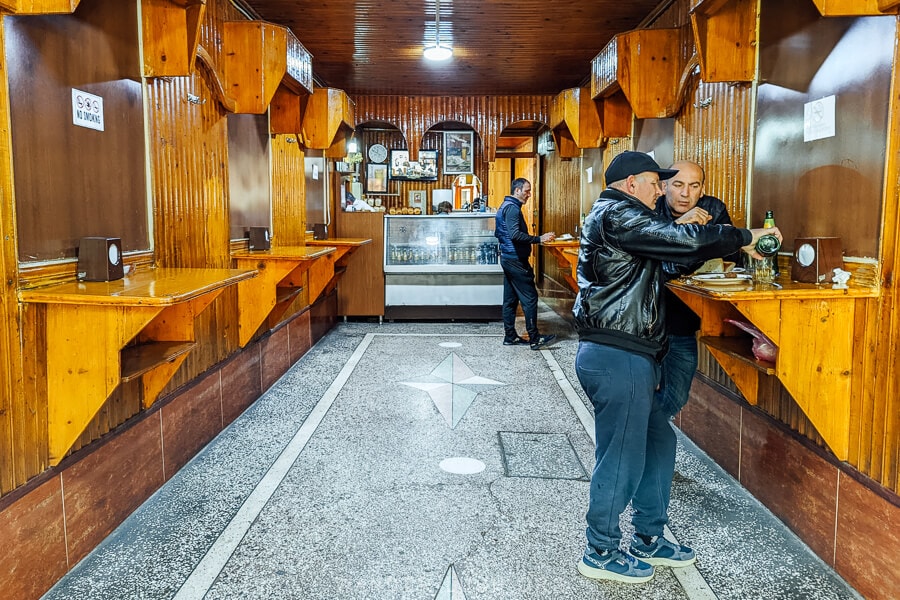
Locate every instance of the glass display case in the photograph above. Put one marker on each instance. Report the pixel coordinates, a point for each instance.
(442, 266)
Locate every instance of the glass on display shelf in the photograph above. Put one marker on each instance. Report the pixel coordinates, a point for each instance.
(440, 241)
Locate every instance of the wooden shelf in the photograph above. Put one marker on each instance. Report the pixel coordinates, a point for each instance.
(283, 295)
(40, 7)
(143, 358)
(87, 325)
(739, 348)
(171, 36)
(814, 328)
(566, 255)
(280, 269)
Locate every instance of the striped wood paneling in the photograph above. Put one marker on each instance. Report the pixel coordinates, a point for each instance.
(487, 115)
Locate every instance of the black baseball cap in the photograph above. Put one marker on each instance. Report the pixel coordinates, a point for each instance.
(633, 163)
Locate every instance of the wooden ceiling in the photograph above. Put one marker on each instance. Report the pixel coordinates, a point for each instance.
(501, 47)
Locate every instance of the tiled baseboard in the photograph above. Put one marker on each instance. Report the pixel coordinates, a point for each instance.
(839, 514)
(54, 521)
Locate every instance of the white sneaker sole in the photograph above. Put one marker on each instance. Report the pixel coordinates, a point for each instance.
(594, 573)
(668, 562)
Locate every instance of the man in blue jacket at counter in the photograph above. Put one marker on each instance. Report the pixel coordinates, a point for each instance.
(518, 274)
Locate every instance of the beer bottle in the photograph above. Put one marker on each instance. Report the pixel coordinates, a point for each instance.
(769, 245)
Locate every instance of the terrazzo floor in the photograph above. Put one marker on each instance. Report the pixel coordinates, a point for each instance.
(426, 461)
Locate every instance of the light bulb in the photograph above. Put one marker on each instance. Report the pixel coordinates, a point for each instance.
(438, 52)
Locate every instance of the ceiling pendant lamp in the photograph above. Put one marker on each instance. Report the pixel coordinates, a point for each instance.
(438, 52)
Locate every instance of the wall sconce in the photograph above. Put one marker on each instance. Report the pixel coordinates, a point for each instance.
(352, 146)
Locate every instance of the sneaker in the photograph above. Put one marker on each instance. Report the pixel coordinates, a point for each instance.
(661, 551)
(514, 341)
(541, 341)
(614, 565)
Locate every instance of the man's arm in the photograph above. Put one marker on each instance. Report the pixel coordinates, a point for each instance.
(516, 234)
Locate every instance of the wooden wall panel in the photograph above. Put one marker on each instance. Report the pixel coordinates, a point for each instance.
(288, 192)
(713, 130)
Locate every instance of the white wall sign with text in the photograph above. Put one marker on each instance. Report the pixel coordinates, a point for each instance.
(87, 110)
(818, 119)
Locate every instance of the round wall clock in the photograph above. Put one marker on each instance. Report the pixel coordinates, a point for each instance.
(377, 153)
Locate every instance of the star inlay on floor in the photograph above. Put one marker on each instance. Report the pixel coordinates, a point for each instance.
(453, 386)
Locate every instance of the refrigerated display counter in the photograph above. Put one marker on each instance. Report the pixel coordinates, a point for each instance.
(442, 266)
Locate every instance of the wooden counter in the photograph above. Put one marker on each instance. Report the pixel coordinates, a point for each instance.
(814, 328)
(566, 254)
(86, 326)
(284, 273)
(346, 247)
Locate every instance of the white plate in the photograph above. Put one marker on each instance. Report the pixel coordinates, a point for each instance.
(717, 277)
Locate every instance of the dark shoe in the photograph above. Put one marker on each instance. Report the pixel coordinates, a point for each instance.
(541, 341)
(661, 551)
(614, 565)
(516, 341)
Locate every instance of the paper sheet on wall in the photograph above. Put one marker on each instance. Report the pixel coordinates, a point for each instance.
(818, 119)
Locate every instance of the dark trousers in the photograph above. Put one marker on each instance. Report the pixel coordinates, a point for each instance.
(635, 443)
(518, 287)
(678, 369)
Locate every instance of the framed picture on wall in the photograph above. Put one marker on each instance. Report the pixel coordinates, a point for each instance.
(418, 200)
(458, 151)
(376, 178)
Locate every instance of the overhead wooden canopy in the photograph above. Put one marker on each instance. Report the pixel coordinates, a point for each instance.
(40, 7)
(171, 33)
(857, 8)
(725, 36)
(575, 122)
(258, 58)
(328, 120)
(648, 66)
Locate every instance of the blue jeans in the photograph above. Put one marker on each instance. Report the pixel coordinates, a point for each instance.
(678, 369)
(635, 443)
(518, 286)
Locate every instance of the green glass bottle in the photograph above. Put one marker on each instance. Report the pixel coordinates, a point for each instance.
(769, 245)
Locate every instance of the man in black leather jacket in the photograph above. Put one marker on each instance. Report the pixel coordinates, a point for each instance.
(620, 319)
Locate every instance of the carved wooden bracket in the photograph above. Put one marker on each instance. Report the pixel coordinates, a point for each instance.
(857, 8)
(575, 122)
(725, 33)
(171, 35)
(646, 65)
(328, 120)
(259, 57)
(40, 7)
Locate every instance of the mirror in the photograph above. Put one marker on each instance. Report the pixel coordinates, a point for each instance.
(466, 191)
